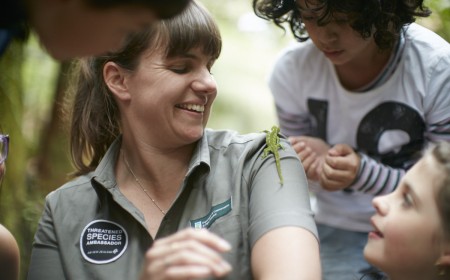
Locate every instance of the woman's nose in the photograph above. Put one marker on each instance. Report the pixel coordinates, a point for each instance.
(205, 83)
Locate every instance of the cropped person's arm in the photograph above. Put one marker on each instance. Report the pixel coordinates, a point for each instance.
(286, 253)
(9, 255)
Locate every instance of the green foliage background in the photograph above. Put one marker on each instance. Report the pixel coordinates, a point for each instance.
(31, 89)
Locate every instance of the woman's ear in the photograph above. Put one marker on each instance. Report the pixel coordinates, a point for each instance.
(116, 80)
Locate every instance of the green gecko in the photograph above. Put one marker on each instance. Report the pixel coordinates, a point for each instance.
(273, 145)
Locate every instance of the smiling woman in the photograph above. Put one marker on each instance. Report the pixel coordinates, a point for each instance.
(157, 189)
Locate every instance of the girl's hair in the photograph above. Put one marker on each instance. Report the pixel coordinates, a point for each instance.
(441, 152)
(95, 122)
(383, 19)
(162, 9)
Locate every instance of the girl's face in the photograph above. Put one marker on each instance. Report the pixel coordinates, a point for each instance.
(171, 98)
(407, 240)
(337, 40)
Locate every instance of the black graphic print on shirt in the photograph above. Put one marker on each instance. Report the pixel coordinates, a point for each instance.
(385, 122)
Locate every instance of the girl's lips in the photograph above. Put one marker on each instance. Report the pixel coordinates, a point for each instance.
(376, 233)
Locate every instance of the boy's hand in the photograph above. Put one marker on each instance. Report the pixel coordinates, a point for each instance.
(312, 152)
(340, 168)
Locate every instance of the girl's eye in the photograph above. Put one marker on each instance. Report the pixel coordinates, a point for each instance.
(407, 200)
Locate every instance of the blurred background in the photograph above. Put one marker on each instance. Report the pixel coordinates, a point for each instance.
(31, 94)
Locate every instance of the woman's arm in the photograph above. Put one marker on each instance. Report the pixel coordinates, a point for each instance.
(282, 232)
(286, 253)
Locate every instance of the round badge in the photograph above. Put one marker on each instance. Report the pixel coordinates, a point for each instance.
(103, 241)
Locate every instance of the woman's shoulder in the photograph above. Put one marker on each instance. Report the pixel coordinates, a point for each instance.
(73, 189)
(230, 139)
(10, 254)
(227, 137)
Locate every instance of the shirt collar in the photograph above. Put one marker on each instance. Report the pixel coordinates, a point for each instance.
(201, 155)
(104, 173)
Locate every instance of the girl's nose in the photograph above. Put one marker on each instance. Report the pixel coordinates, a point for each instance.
(381, 205)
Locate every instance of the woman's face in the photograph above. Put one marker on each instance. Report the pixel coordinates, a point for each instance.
(336, 40)
(408, 235)
(171, 98)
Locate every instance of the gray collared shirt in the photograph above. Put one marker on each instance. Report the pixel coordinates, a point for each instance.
(89, 230)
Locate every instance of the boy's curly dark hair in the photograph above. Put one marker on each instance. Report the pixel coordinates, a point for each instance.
(383, 19)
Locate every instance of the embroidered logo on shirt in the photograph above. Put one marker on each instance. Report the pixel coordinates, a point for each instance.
(103, 241)
(216, 212)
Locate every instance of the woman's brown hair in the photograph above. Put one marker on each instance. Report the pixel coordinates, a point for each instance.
(95, 121)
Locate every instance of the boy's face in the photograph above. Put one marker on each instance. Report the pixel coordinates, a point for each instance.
(407, 237)
(337, 40)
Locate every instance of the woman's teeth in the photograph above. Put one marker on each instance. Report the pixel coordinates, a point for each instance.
(193, 107)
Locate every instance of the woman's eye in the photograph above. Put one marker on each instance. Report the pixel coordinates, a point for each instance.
(210, 66)
(179, 69)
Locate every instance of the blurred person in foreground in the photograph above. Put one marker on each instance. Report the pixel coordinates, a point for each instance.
(76, 28)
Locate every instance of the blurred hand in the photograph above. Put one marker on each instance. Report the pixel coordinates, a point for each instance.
(312, 152)
(187, 254)
(340, 168)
